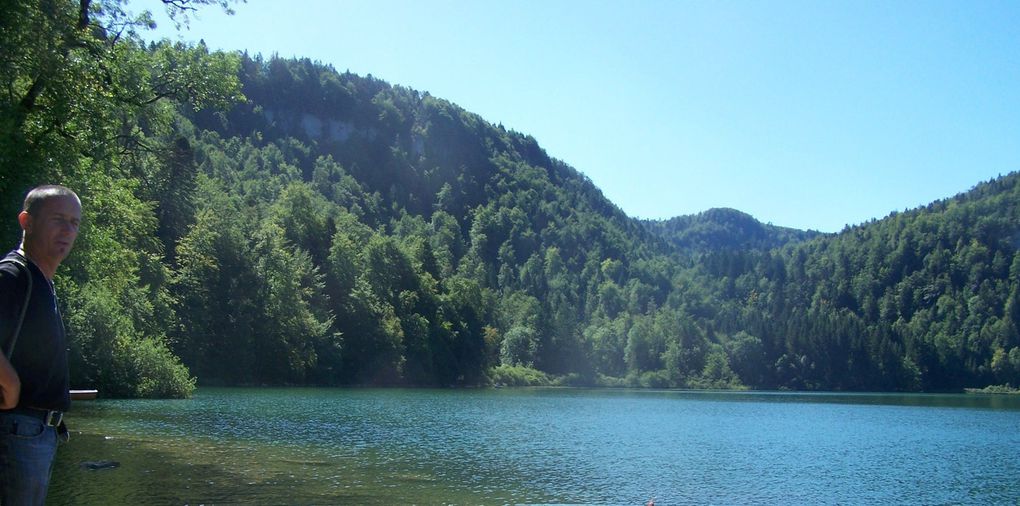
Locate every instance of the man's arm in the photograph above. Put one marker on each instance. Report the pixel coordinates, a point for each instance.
(10, 384)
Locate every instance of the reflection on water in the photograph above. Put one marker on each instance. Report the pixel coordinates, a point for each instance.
(370, 446)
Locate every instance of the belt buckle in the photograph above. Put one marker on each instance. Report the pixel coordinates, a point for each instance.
(53, 418)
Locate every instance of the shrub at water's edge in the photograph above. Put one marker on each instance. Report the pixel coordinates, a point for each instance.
(519, 376)
(523, 376)
(994, 389)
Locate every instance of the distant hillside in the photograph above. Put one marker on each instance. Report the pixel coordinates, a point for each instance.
(418, 152)
(438, 246)
(463, 245)
(925, 299)
(724, 229)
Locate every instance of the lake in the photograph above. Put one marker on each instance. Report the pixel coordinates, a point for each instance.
(513, 446)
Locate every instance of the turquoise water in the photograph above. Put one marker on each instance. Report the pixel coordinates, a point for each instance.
(512, 446)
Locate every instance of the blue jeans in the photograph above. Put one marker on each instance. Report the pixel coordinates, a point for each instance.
(27, 448)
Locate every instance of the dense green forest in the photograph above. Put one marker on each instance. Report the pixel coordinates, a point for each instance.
(261, 221)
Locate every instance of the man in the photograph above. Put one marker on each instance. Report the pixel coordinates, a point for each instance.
(34, 377)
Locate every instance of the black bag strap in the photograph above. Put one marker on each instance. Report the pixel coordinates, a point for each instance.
(24, 306)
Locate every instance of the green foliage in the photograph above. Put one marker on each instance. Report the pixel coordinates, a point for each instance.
(519, 347)
(519, 376)
(113, 355)
(152, 371)
(717, 372)
(86, 105)
(648, 379)
(994, 389)
(486, 244)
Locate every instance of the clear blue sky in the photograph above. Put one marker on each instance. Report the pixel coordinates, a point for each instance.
(807, 114)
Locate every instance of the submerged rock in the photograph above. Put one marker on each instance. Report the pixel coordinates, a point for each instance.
(95, 465)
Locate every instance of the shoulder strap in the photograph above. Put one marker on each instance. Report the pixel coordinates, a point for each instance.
(24, 306)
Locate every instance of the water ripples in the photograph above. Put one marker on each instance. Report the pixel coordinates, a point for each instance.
(542, 446)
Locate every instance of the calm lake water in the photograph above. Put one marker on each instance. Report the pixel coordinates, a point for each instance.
(512, 446)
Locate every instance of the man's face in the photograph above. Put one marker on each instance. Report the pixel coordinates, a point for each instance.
(51, 231)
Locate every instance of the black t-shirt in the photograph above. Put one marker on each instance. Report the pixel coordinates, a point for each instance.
(40, 353)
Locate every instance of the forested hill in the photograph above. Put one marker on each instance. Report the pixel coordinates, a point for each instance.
(419, 153)
(272, 221)
(925, 299)
(443, 245)
(722, 228)
(446, 246)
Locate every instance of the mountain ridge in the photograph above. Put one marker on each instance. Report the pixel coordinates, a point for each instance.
(724, 228)
(690, 301)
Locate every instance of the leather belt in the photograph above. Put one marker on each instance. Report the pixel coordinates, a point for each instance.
(48, 417)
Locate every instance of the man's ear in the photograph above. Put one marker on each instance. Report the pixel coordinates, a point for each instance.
(25, 220)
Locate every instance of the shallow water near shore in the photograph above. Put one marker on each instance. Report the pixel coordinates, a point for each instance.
(514, 446)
